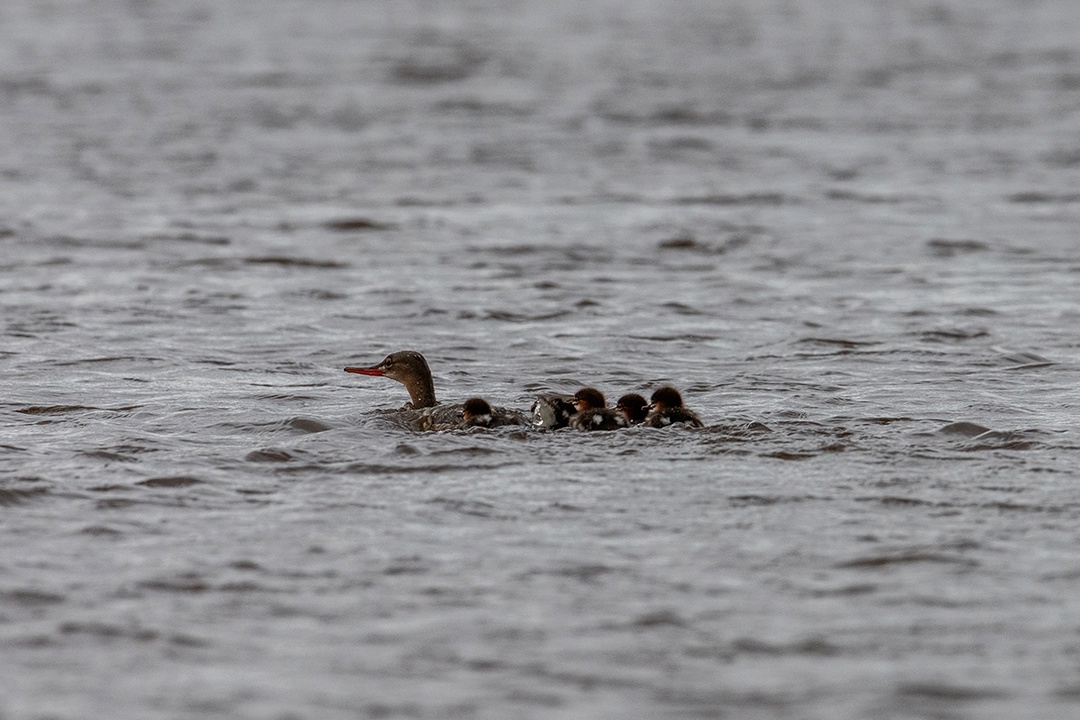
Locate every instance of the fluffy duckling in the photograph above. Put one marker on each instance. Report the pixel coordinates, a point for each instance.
(633, 407)
(593, 413)
(666, 408)
(476, 412)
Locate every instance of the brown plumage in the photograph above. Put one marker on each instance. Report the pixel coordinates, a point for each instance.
(633, 407)
(666, 408)
(410, 368)
(592, 414)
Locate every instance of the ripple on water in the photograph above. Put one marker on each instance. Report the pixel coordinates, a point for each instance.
(915, 556)
(472, 507)
(54, 409)
(269, 455)
(31, 598)
(357, 224)
(108, 631)
(172, 481)
(912, 693)
(10, 496)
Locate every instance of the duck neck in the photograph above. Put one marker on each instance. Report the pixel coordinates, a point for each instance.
(422, 392)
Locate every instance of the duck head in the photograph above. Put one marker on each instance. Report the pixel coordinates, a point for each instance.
(664, 398)
(410, 369)
(633, 407)
(589, 399)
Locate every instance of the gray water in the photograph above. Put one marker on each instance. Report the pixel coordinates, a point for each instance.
(848, 231)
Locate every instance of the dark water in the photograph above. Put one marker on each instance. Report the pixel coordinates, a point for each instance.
(848, 231)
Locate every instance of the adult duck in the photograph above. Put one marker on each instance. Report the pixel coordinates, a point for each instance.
(411, 369)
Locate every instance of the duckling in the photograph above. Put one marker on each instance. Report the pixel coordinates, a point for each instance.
(666, 408)
(633, 407)
(592, 413)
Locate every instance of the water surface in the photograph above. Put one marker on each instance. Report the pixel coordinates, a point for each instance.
(846, 233)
